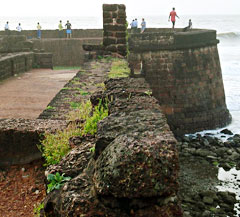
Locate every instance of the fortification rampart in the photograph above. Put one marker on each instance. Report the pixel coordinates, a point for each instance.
(66, 52)
(48, 34)
(17, 55)
(184, 72)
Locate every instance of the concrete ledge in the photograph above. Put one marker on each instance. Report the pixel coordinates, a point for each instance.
(19, 139)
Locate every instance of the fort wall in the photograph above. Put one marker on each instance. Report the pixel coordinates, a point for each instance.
(184, 72)
(66, 52)
(49, 34)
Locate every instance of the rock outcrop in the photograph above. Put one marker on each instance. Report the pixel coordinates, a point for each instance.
(134, 169)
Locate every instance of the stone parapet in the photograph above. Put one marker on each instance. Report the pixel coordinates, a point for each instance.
(185, 75)
(15, 43)
(49, 34)
(165, 40)
(19, 139)
(14, 63)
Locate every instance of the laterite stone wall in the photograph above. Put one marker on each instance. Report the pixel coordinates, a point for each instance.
(114, 26)
(185, 75)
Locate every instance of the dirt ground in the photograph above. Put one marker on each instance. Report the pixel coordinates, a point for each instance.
(26, 95)
(21, 188)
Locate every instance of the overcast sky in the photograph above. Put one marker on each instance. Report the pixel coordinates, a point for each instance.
(35, 8)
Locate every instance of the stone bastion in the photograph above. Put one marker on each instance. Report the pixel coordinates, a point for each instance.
(184, 72)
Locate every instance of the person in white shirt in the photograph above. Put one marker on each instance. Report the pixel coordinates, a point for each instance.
(19, 28)
(6, 27)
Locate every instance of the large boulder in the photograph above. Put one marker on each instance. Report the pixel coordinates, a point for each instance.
(139, 165)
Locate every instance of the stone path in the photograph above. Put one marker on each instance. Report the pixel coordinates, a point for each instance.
(27, 95)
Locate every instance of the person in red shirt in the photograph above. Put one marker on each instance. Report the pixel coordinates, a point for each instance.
(173, 16)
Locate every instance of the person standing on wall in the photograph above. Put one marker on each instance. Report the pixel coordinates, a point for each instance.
(60, 29)
(6, 28)
(173, 16)
(143, 25)
(69, 29)
(135, 25)
(19, 28)
(39, 34)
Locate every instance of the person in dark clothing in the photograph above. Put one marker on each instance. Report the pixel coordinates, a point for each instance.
(69, 29)
(189, 26)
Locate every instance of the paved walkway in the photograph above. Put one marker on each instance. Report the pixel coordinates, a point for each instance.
(28, 94)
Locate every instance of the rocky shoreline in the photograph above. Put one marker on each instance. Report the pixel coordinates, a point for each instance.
(200, 160)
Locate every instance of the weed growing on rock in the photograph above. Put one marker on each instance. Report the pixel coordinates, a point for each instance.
(37, 210)
(101, 85)
(56, 146)
(75, 105)
(50, 108)
(56, 181)
(99, 113)
(119, 69)
(82, 121)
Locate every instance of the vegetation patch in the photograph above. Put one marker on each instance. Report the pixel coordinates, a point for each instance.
(50, 108)
(56, 181)
(55, 146)
(37, 210)
(66, 67)
(119, 69)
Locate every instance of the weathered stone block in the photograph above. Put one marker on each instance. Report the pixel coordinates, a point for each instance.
(19, 139)
(121, 21)
(109, 41)
(108, 20)
(112, 48)
(121, 41)
(110, 7)
(119, 28)
(122, 15)
(120, 34)
(122, 7)
(107, 15)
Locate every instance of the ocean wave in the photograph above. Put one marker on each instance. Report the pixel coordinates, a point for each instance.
(229, 35)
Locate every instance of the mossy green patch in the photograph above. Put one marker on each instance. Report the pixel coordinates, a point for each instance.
(119, 69)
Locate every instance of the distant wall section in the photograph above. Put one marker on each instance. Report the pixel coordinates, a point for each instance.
(66, 52)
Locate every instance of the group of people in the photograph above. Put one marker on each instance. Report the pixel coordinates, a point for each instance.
(134, 25)
(68, 26)
(172, 17)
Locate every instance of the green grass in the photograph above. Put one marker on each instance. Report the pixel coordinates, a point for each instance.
(75, 105)
(50, 108)
(119, 69)
(66, 67)
(55, 146)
